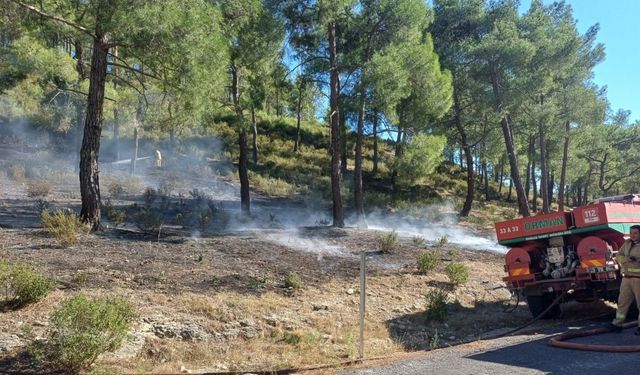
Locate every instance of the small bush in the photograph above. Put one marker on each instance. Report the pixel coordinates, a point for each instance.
(22, 284)
(64, 226)
(204, 218)
(258, 282)
(82, 329)
(434, 341)
(132, 184)
(428, 261)
(115, 216)
(272, 187)
(38, 189)
(116, 188)
(150, 195)
(80, 277)
(442, 241)
(198, 195)
(436, 304)
(293, 281)
(418, 240)
(17, 172)
(148, 220)
(458, 273)
(167, 187)
(388, 242)
(300, 338)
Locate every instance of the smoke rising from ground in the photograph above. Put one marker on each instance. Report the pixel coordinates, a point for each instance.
(198, 164)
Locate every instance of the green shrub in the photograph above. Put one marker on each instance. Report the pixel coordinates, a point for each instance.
(436, 304)
(82, 329)
(442, 241)
(458, 273)
(258, 282)
(148, 220)
(418, 240)
(150, 195)
(38, 189)
(272, 187)
(198, 195)
(115, 216)
(428, 261)
(293, 281)
(17, 172)
(115, 188)
(22, 284)
(64, 226)
(388, 242)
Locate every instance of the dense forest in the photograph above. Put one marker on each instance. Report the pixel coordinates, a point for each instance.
(508, 96)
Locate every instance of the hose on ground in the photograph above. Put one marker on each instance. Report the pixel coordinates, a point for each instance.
(560, 341)
(552, 305)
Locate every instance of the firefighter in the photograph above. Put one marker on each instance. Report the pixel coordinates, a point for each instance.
(158, 159)
(629, 259)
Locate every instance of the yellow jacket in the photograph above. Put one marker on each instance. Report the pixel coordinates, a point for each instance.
(628, 266)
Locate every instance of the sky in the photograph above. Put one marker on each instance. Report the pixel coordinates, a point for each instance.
(621, 37)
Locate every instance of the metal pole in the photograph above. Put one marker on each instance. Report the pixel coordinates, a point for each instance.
(363, 294)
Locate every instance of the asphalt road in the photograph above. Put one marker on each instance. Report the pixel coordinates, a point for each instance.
(521, 354)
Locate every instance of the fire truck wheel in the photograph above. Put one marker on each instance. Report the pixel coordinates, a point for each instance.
(537, 304)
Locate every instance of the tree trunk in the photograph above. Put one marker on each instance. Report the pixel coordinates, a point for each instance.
(534, 184)
(116, 114)
(468, 201)
(296, 146)
(78, 134)
(255, 135)
(338, 213)
(500, 183)
(523, 206)
(375, 143)
(586, 185)
(245, 199)
(79, 106)
(550, 187)
(357, 171)
(486, 181)
(510, 189)
(245, 202)
(527, 184)
(134, 157)
(343, 145)
(398, 153)
(544, 174)
(563, 171)
(116, 133)
(89, 172)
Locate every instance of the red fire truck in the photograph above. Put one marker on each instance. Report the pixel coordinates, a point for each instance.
(553, 253)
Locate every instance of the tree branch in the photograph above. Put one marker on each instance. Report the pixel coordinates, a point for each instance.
(135, 70)
(55, 18)
(82, 93)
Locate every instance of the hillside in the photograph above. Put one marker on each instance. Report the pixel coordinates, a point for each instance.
(209, 287)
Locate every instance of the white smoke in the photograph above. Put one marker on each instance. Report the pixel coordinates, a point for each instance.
(440, 221)
(293, 239)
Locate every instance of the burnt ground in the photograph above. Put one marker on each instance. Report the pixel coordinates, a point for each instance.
(211, 297)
